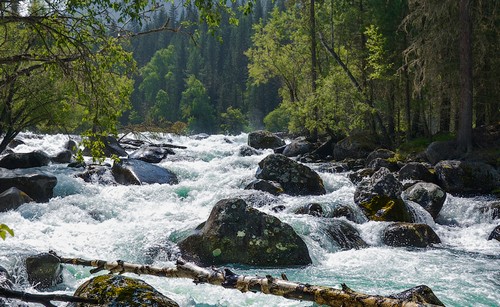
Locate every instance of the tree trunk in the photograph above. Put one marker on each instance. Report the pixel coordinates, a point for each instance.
(314, 76)
(268, 285)
(464, 135)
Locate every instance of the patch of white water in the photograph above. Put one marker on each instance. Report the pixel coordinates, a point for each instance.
(142, 223)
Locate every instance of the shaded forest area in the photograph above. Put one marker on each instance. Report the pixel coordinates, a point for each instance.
(392, 67)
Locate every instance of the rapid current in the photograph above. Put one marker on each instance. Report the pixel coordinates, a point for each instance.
(140, 224)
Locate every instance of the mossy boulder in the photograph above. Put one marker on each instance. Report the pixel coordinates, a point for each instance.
(44, 271)
(297, 147)
(409, 235)
(380, 154)
(380, 198)
(294, 177)
(428, 195)
(268, 186)
(25, 160)
(442, 150)
(378, 163)
(467, 177)
(237, 233)
(121, 291)
(264, 140)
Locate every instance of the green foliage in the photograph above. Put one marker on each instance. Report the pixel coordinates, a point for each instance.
(4, 230)
(277, 120)
(196, 108)
(233, 121)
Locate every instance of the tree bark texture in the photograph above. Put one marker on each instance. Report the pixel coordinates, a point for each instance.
(269, 285)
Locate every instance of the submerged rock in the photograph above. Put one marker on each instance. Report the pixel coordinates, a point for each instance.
(151, 154)
(12, 198)
(264, 140)
(313, 209)
(44, 271)
(380, 198)
(295, 178)
(38, 186)
(466, 177)
(237, 233)
(419, 294)
(268, 186)
(131, 171)
(25, 160)
(121, 291)
(343, 234)
(495, 234)
(409, 234)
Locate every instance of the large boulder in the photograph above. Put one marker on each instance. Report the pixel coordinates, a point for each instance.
(121, 291)
(132, 171)
(297, 147)
(247, 151)
(380, 198)
(467, 177)
(237, 233)
(428, 195)
(111, 148)
(416, 171)
(294, 177)
(44, 271)
(378, 163)
(25, 160)
(151, 154)
(354, 147)
(410, 235)
(265, 186)
(441, 150)
(380, 153)
(264, 140)
(64, 156)
(12, 198)
(39, 186)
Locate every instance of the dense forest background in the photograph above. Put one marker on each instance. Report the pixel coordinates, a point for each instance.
(400, 69)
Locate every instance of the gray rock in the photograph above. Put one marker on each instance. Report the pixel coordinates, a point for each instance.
(428, 195)
(378, 163)
(268, 186)
(247, 151)
(25, 160)
(264, 140)
(313, 209)
(495, 234)
(100, 174)
(467, 177)
(72, 146)
(441, 150)
(354, 147)
(151, 154)
(111, 147)
(39, 186)
(64, 156)
(380, 153)
(410, 235)
(12, 198)
(44, 271)
(416, 171)
(492, 210)
(237, 233)
(295, 178)
(131, 171)
(297, 147)
(344, 235)
(118, 290)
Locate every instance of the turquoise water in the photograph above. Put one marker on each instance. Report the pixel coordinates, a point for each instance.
(142, 223)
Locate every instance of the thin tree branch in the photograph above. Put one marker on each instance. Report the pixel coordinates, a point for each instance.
(44, 299)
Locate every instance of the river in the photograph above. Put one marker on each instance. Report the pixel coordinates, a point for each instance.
(141, 224)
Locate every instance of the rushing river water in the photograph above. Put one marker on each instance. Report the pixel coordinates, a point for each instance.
(140, 224)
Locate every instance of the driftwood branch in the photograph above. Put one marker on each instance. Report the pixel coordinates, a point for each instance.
(44, 299)
(268, 284)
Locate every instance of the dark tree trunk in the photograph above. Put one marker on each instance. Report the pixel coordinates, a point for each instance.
(464, 135)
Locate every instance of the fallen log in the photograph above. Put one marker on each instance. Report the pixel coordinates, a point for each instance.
(44, 299)
(418, 296)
